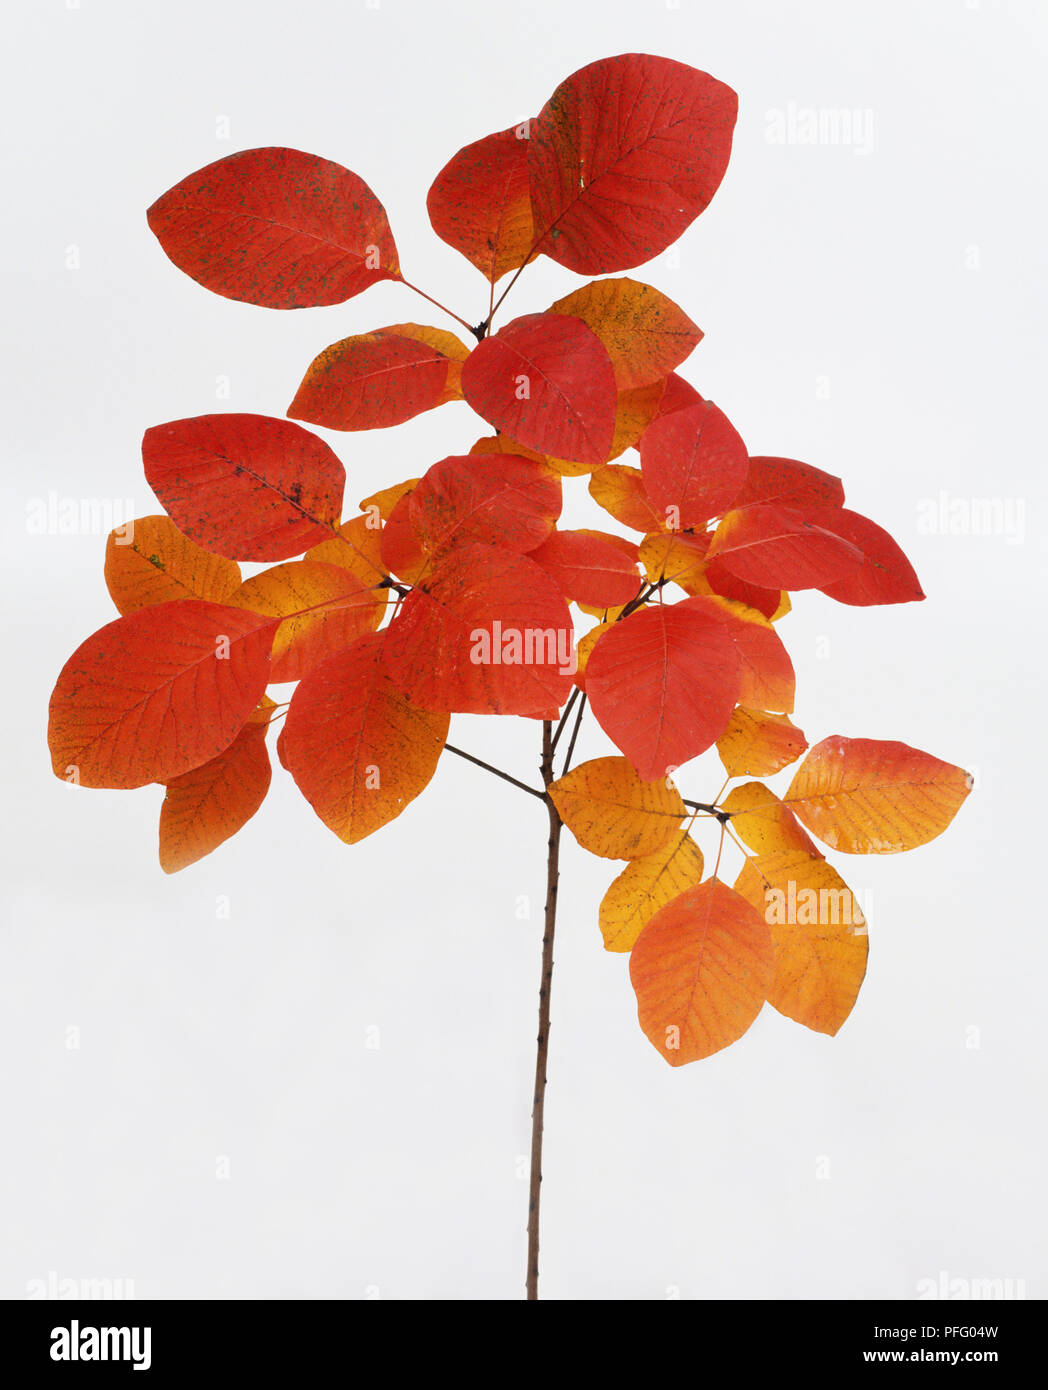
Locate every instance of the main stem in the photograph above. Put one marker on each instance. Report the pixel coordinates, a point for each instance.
(542, 1053)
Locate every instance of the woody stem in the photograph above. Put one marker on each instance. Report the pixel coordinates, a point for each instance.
(542, 1051)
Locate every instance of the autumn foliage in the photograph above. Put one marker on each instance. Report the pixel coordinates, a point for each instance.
(456, 590)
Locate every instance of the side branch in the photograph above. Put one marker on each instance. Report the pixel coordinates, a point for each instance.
(496, 771)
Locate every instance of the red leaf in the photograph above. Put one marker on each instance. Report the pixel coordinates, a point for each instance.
(723, 582)
(885, 576)
(663, 683)
(324, 607)
(276, 227)
(623, 157)
(788, 483)
(371, 381)
(207, 805)
(401, 548)
(546, 380)
(155, 694)
(589, 568)
(694, 463)
(491, 499)
(480, 203)
(777, 548)
(249, 487)
(678, 395)
(488, 633)
(766, 676)
(358, 751)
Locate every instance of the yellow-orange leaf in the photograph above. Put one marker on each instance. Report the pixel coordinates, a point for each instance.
(342, 610)
(875, 796)
(818, 934)
(619, 489)
(387, 497)
(678, 556)
(611, 812)
(151, 561)
(204, 807)
(762, 822)
(585, 645)
(634, 412)
(701, 970)
(758, 744)
(358, 751)
(645, 334)
(644, 886)
(356, 547)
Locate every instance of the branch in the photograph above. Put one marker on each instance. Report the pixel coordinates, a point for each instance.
(545, 985)
(723, 816)
(532, 791)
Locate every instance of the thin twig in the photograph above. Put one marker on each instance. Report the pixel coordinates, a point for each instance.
(564, 717)
(574, 736)
(532, 791)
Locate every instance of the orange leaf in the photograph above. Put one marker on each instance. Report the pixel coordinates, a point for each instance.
(358, 751)
(662, 684)
(488, 632)
(646, 335)
(207, 805)
(245, 486)
(150, 562)
(701, 970)
(547, 380)
(758, 744)
(374, 380)
(612, 813)
(276, 227)
(818, 934)
(875, 796)
(480, 203)
(343, 610)
(387, 498)
(157, 693)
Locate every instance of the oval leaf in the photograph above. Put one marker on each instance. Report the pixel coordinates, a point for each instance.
(157, 693)
(646, 335)
(249, 487)
(480, 202)
(204, 807)
(547, 380)
(644, 886)
(612, 813)
(701, 969)
(693, 463)
(663, 684)
(488, 632)
(358, 751)
(875, 796)
(276, 227)
(623, 157)
(151, 561)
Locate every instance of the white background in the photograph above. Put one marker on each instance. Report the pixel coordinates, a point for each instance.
(874, 312)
